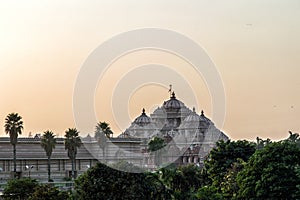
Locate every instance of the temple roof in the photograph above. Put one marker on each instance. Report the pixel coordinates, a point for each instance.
(193, 117)
(143, 119)
(173, 103)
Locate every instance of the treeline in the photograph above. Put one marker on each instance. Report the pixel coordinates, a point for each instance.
(233, 170)
(261, 170)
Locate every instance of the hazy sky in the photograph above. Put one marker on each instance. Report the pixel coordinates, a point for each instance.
(254, 44)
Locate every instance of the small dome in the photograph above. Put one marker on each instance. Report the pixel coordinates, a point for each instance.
(193, 120)
(193, 117)
(143, 119)
(173, 103)
(158, 111)
(204, 118)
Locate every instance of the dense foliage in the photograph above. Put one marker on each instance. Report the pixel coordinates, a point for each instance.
(272, 173)
(19, 188)
(182, 182)
(30, 189)
(224, 155)
(232, 170)
(48, 192)
(103, 182)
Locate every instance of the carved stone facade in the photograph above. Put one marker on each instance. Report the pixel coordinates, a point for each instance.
(189, 137)
(32, 159)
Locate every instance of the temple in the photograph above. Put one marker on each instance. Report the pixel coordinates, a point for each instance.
(188, 136)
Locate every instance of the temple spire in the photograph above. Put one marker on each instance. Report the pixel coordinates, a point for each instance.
(173, 95)
(170, 90)
(202, 113)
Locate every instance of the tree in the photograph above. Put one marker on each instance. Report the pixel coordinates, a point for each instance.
(19, 188)
(103, 182)
(183, 181)
(48, 192)
(27, 188)
(271, 173)
(13, 126)
(101, 134)
(155, 146)
(208, 193)
(48, 142)
(72, 142)
(294, 137)
(159, 189)
(229, 186)
(260, 143)
(224, 155)
(104, 127)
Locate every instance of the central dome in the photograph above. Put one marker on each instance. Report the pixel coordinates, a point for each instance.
(173, 103)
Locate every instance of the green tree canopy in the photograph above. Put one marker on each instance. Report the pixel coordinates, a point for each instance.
(229, 187)
(208, 193)
(224, 155)
(103, 182)
(19, 188)
(27, 188)
(48, 192)
(271, 173)
(183, 182)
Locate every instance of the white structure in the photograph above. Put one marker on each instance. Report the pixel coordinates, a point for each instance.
(189, 137)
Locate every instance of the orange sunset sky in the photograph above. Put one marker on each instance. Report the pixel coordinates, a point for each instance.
(254, 45)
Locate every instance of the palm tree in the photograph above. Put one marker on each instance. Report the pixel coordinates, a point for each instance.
(72, 142)
(294, 137)
(102, 132)
(104, 127)
(156, 146)
(13, 126)
(48, 142)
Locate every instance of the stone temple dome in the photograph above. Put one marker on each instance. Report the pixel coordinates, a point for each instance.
(193, 117)
(143, 119)
(193, 120)
(204, 118)
(189, 135)
(173, 118)
(173, 103)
